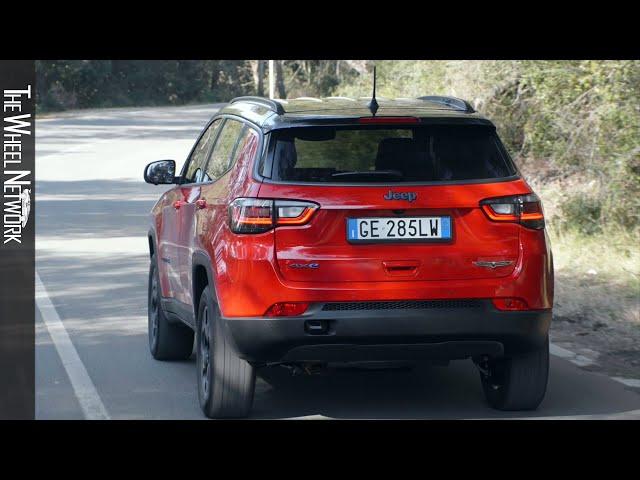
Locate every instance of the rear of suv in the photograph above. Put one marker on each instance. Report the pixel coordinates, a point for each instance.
(311, 232)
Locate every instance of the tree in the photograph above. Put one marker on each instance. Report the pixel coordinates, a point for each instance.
(257, 68)
(282, 93)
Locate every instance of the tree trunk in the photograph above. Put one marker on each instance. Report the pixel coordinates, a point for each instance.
(282, 93)
(272, 79)
(213, 75)
(254, 72)
(260, 78)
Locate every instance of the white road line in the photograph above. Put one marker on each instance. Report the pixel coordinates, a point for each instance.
(560, 352)
(579, 360)
(85, 390)
(629, 382)
(583, 361)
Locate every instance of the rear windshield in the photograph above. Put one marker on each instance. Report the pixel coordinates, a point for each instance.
(370, 154)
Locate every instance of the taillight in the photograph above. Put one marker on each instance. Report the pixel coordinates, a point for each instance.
(257, 215)
(523, 209)
(251, 215)
(293, 212)
(286, 309)
(510, 304)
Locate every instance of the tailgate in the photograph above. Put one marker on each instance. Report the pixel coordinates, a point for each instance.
(320, 252)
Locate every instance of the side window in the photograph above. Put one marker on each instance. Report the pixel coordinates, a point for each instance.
(221, 154)
(195, 169)
(247, 146)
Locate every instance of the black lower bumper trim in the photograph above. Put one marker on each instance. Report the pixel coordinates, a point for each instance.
(380, 335)
(342, 352)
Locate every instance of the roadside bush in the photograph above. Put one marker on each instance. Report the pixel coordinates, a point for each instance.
(581, 212)
(56, 98)
(566, 123)
(69, 84)
(575, 118)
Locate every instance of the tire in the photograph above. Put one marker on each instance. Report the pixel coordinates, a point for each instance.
(225, 381)
(518, 382)
(167, 340)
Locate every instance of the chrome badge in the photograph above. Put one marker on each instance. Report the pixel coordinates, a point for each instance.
(492, 265)
(304, 265)
(409, 196)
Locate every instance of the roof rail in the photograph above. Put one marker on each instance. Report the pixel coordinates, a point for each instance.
(454, 102)
(266, 102)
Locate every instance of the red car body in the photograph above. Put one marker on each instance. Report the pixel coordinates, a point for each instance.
(250, 271)
(272, 287)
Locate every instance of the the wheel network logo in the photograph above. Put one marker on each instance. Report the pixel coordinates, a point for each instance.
(16, 181)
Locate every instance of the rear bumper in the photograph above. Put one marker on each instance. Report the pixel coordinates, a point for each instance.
(248, 282)
(407, 334)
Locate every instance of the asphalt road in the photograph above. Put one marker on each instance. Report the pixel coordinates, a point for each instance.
(92, 357)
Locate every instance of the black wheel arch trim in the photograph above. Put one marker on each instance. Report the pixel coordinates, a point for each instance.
(202, 258)
(151, 235)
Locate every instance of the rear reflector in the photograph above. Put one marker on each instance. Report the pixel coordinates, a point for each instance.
(257, 215)
(523, 209)
(510, 304)
(287, 309)
(388, 120)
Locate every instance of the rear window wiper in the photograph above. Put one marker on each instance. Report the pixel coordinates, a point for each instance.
(369, 173)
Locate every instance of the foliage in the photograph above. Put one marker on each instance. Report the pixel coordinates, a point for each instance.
(319, 78)
(559, 119)
(573, 124)
(68, 84)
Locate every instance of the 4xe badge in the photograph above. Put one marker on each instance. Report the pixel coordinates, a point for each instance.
(304, 265)
(409, 196)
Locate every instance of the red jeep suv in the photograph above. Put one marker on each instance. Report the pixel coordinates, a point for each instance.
(310, 232)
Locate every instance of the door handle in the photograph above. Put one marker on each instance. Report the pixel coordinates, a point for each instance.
(201, 203)
(178, 203)
(401, 268)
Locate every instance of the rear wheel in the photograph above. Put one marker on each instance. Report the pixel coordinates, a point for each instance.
(167, 341)
(225, 381)
(518, 382)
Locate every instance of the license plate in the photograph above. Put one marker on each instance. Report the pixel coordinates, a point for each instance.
(401, 229)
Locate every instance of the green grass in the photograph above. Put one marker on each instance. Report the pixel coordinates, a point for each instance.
(614, 256)
(597, 276)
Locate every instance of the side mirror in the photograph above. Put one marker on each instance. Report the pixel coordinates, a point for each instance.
(160, 172)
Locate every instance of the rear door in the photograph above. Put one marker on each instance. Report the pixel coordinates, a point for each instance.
(407, 179)
(184, 210)
(203, 199)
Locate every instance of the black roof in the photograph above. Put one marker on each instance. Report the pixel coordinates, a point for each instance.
(305, 111)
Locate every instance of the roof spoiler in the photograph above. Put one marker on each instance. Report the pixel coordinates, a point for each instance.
(265, 102)
(453, 102)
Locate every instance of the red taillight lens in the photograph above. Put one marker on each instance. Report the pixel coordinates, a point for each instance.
(286, 309)
(257, 215)
(251, 215)
(531, 212)
(523, 209)
(388, 120)
(510, 304)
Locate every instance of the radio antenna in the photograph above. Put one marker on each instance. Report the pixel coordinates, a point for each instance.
(373, 104)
